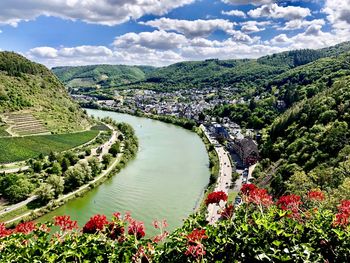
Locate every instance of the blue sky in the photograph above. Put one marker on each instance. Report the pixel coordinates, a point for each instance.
(161, 32)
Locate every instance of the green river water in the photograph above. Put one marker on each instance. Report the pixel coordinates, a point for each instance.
(165, 180)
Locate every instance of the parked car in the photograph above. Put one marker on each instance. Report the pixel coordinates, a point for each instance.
(244, 180)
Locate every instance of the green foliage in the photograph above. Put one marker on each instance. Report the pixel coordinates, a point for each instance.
(313, 136)
(101, 75)
(22, 148)
(15, 187)
(31, 86)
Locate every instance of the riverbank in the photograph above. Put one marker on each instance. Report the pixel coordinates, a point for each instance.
(214, 163)
(129, 148)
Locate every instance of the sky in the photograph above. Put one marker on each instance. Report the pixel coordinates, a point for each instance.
(162, 32)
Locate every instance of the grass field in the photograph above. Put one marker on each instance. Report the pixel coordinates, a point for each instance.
(23, 148)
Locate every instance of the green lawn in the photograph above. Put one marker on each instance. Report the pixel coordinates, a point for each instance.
(23, 148)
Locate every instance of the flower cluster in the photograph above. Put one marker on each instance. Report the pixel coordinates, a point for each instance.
(227, 213)
(4, 231)
(290, 203)
(161, 225)
(216, 197)
(96, 223)
(136, 228)
(248, 188)
(25, 228)
(65, 223)
(195, 247)
(316, 195)
(343, 215)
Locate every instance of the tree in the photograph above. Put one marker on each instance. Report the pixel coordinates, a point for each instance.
(19, 191)
(106, 159)
(52, 156)
(56, 168)
(115, 149)
(65, 164)
(57, 184)
(37, 166)
(95, 165)
(45, 193)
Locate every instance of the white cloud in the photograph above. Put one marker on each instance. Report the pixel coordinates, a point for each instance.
(43, 52)
(159, 40)
(105, 12)
(338, 13)
(253, 26)
(235, 12)
(297, 24)
(195, 28)
(247, 2)
(276, 11)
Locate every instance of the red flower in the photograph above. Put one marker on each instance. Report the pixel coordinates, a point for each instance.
(291, 203)
(342, 218)
(196, 236)
(25, 228)
(260, 197)
(4, 231)
(247, 188)
(65, 223)
(194, 246)
(96, 223)
(115, 230)
(137, 228)
(216, 197)
(160, 237)
(316, 195)
(195, 250)
(227, 213)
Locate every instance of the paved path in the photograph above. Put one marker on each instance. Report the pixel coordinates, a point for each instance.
(224, 180)
(14, 170)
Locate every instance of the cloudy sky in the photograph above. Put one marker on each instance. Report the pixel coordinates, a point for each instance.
(161, 32)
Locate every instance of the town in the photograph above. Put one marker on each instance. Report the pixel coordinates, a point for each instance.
(191, 104)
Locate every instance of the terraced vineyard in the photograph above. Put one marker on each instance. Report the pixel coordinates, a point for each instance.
(22, 124)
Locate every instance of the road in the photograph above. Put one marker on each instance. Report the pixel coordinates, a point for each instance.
(18, 205)
(224, 180)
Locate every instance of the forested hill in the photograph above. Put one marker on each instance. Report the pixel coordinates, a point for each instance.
(308, 146)
(25, 85)
(101, 75)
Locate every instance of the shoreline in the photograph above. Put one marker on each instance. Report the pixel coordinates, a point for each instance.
(214, 175)
(114, 168)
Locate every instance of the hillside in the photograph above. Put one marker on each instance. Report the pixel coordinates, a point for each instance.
(30, 88)
(96, 76)
(310, 144)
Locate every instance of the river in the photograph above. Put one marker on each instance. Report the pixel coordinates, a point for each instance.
(165, 180)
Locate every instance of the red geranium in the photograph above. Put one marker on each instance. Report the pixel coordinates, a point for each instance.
(136, 228)
(342, 218)
(96, 223)
(65, 223)
(290, 202)
(216, 197)
(316, 195)
(196, 236)
(25, 228)
(260, 197)
(4, 231)
(248, 188)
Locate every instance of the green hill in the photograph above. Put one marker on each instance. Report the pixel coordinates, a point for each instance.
(100, 75)
(30, 88)
(309, 144)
